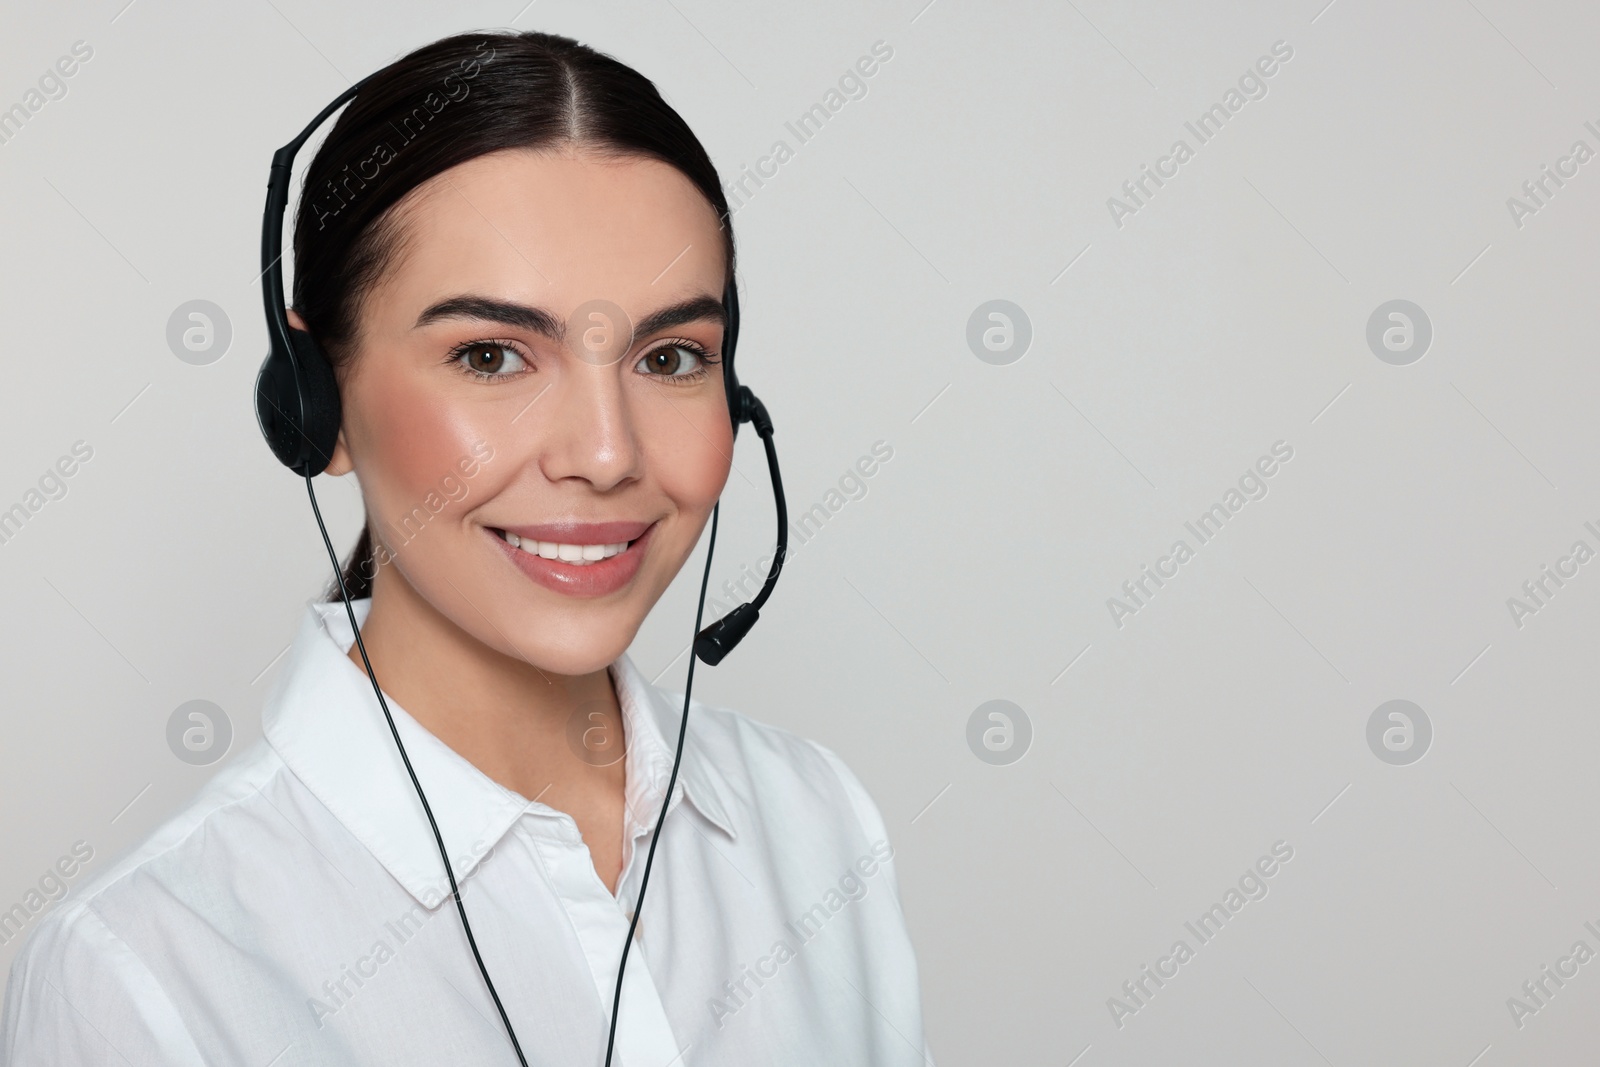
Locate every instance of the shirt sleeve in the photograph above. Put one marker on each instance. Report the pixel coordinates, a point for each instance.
(872, 826)
(866, 811)
(79, 995)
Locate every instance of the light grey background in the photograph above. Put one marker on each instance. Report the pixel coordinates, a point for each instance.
(1168, 354)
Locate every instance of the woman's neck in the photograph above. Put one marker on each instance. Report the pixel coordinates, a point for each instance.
(502, 714)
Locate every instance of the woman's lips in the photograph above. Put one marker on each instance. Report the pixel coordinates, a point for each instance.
(581, 533)
(579, 579)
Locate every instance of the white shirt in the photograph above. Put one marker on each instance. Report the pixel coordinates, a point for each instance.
(296, 910)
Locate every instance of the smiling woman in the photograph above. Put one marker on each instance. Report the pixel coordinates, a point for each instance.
(541, 276)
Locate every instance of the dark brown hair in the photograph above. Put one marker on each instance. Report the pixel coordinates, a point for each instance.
(440, 106)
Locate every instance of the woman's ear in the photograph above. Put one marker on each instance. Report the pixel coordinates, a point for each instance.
(340, 464)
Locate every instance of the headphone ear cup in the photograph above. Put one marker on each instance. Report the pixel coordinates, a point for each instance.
(297, 405)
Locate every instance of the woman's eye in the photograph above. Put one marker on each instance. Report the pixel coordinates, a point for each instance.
(489, 359)
(674, 361)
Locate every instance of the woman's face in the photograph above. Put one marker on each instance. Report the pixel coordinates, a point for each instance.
(501, 420)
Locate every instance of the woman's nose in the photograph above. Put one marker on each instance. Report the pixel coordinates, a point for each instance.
(590, 429)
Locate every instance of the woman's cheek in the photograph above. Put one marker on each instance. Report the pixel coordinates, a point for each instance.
(697, 463)
(418, 459)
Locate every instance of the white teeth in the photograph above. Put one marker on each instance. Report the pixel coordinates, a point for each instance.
(566, 553)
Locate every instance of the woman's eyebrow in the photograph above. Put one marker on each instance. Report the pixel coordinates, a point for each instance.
(503, 312)
(538, 320)
(692, 310)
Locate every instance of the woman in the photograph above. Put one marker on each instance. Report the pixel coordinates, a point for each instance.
(534, 476)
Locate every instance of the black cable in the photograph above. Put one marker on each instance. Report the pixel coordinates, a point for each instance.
(717, 640)
(683, 731)
(437, 837)
(782, 552)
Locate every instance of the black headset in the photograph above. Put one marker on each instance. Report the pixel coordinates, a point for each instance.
(297, 407)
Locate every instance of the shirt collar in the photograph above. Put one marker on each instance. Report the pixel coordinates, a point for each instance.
(650, 719)
(323, 719)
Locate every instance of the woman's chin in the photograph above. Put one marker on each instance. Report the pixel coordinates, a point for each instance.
(579, 654)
